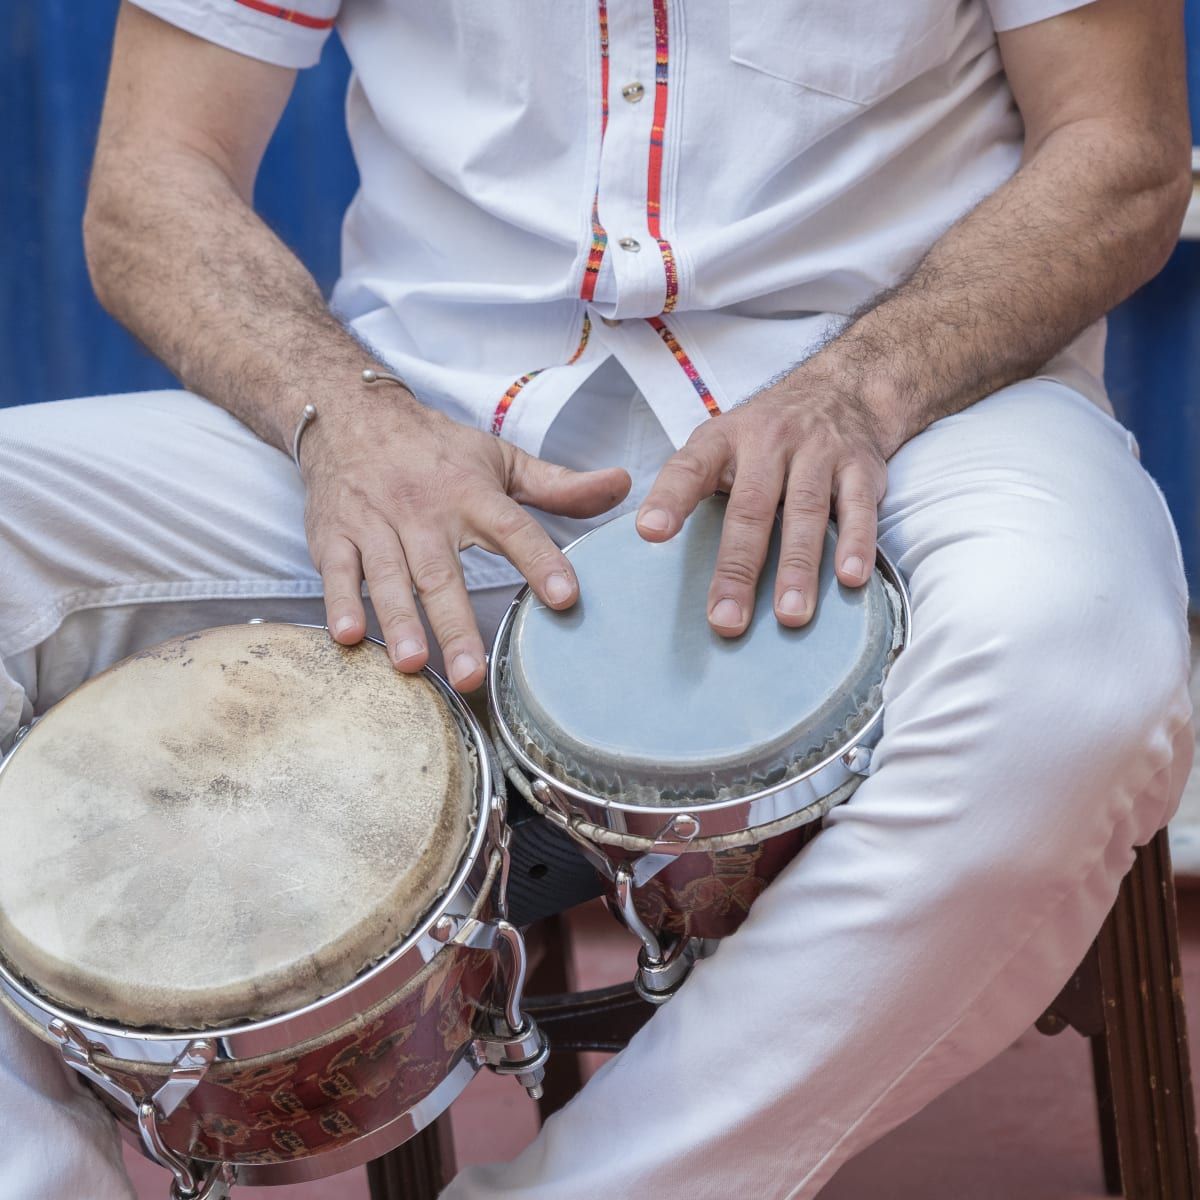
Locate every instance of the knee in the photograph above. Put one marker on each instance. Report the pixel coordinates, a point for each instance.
(1047, 702)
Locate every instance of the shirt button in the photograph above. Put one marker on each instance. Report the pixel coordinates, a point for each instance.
(630, 244)
(633, 92)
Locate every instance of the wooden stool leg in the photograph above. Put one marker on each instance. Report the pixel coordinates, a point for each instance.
(1109, 1138)
(1144, 1084)
(552, 977)
(417, 1170)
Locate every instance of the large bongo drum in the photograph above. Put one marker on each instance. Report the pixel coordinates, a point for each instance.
(689, 768)
(252, 886)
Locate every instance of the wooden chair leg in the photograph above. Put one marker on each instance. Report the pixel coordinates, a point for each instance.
(552, 977)
(417, 1170)
(1110, 1155)
(1143, 1075)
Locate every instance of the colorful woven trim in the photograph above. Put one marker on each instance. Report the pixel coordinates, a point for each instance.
(655, 167)
(506, 401)
(591, 272)
(288, 14)
(689, 368)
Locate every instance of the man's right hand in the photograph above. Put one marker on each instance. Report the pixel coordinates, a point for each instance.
(396, 491)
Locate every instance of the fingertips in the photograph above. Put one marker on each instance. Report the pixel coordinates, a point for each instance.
(345, 627)
(858, 525)
(466, 669)
(559, 589)
(851, 568)
(794, 605)
(655, 523)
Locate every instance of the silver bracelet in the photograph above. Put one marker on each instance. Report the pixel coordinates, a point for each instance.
(309, 415)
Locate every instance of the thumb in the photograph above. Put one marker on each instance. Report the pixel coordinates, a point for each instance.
(560, 490)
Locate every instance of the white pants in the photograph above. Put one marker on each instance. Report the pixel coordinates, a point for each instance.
(1036, 730)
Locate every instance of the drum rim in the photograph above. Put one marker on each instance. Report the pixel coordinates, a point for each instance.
(271, 1035)
(736, 813)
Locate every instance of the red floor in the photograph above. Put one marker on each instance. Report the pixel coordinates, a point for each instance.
(1023, 1127)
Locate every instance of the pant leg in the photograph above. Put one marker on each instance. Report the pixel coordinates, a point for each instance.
(1036, 730)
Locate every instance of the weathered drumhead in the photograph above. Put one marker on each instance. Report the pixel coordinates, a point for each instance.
(631, 695)
(228, 826)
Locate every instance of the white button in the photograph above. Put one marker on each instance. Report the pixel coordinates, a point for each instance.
(611, 322)
(633, 92)
(630, 244)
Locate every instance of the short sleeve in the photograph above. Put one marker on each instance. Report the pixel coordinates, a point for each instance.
(1012, 14)
(286, 36)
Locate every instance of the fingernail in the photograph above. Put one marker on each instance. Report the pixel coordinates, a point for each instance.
(463, 667)
(409, 648)
(727, 614)
(853, 566)
(656, 521)
(343, 625)
(792, 603)
(558, 588)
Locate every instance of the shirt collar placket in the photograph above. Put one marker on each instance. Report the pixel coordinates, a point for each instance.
(636, 264)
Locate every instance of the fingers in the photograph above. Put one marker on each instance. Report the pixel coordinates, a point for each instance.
(510, 530)
(858, 497)
(437, 575)
(688, 476)
(391, 590)
(341, 577)
(745, 537)
(560, 490)
(805, 516)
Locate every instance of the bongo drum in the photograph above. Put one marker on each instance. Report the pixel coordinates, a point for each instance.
(252, 885)
(689, 768)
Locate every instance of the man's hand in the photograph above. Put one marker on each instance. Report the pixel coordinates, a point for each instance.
(1091, 215)
(802, 443)
(395, 491)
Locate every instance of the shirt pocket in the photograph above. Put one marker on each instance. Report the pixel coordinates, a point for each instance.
(856, 50)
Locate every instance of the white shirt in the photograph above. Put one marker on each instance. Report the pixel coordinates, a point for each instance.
(701, 188)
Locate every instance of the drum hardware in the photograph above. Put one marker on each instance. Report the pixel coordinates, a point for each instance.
(516, 1046)
(23, 732)
(858, 760)
(660, 971)
(191, 1180)
(662, 964)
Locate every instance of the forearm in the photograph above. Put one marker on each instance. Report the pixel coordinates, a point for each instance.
(179, 257)
(1091, 216)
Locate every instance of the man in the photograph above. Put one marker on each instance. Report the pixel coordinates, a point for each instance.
(596, 239)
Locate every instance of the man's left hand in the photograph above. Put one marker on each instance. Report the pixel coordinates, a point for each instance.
(807, 443)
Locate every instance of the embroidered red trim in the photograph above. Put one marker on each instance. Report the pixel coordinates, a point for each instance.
(591, 271)
(655, 165)
(288, 14)
(506, 401)
(689, 368)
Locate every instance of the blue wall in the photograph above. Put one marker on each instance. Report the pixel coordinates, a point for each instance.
(55, 340)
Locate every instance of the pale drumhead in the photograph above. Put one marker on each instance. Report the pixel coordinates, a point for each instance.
(228, 826)
(631, 695)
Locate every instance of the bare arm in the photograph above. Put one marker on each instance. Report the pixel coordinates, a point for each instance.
(1092, 214)
(176, 253)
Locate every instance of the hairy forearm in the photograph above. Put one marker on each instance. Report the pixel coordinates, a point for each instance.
(182, 261)
(1090, 217)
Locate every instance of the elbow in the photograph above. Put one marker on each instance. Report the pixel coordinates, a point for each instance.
(101, 240)
(1166, 198)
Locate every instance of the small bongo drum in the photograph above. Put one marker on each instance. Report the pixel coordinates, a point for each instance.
(252, 885)
(689, 768)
